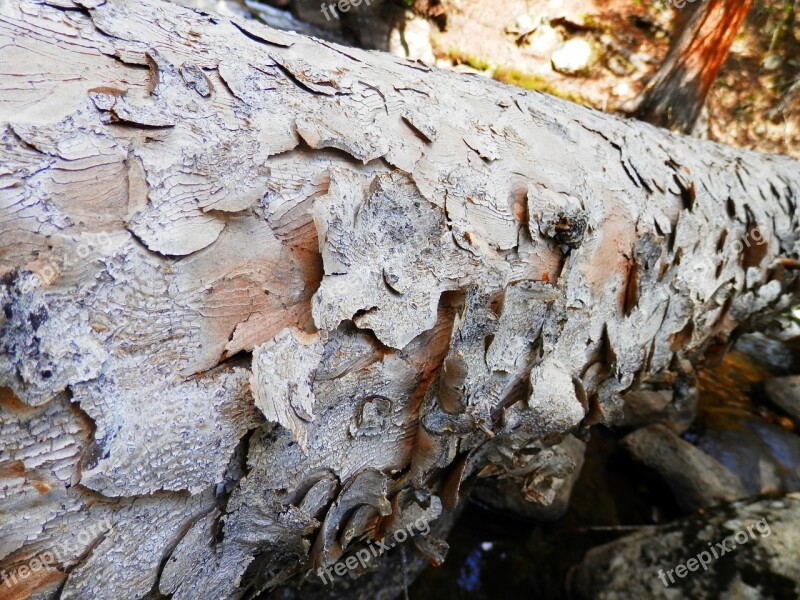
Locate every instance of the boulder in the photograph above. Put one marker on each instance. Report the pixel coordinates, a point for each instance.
(739, 551)
(573, 57)
(764, 456)
(411, 38)
(696, 479)
(784, 392)
(673, 409)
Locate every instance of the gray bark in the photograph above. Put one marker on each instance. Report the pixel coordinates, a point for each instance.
(266, 299)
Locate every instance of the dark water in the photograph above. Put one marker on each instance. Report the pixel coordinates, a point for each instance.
(738, 425)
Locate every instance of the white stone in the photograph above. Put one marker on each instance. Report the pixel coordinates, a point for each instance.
(572, 57)
(414, 41)
(621, 90)
(543, 41)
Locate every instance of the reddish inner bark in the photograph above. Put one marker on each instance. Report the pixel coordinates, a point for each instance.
(677, 93)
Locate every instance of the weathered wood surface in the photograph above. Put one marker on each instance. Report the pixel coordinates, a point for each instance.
(265, 298)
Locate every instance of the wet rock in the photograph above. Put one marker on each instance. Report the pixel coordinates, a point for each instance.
(696, 479)
(785, 393)
(684, 559)
(765, 457)
(675, 410)
(766, 350)
(539, 486)
(573, 57)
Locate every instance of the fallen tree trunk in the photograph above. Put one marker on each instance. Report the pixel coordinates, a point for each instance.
(267, 300)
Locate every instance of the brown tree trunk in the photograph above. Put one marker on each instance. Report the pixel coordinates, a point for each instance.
(675, 96)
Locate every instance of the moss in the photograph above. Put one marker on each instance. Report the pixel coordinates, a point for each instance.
(537, 83)
(528, 81)
(462, 58)
(595, 23)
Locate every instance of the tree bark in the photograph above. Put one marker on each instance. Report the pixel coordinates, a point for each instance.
(675, 96)
(267, 299)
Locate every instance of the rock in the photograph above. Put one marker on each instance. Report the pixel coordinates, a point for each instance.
(696, 479)
(619, 65)
(785, 393)
(539, 486)
(766, 350)
(648, 407)
(286, 21)
(412, 39)
(535, 35)
(310, 11)
(374, 28)
(765, 457)
(543, 41)
(573, 57)
(622, 90)
(761, 541)
(523, 25)
(772, 62)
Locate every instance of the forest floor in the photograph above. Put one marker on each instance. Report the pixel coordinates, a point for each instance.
(755, 102)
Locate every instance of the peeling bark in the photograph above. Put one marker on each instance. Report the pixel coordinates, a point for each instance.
(267, 299)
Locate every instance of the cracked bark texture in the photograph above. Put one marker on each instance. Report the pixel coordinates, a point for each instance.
(266, 299)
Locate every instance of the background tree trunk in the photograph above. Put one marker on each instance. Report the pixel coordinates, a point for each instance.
(675, 96)
(267, 299)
